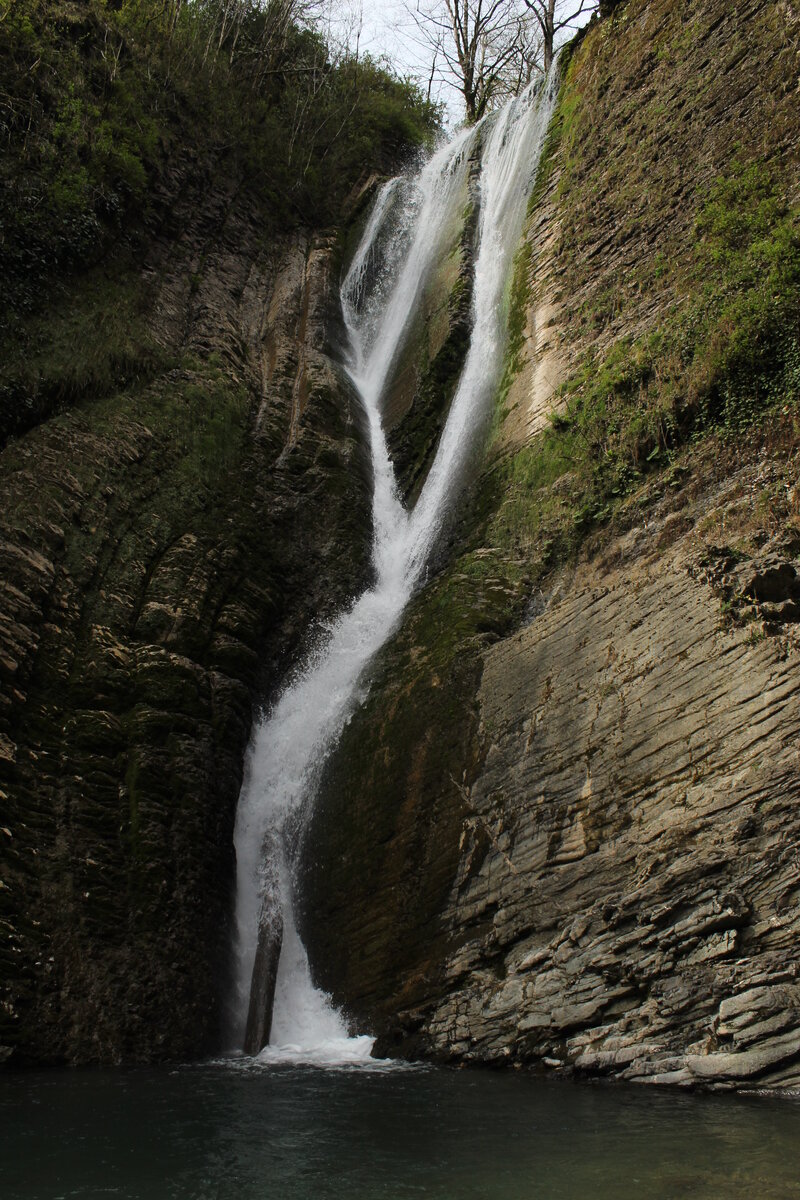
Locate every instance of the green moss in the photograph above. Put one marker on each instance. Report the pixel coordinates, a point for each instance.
(720, 361)
(421, 429)
(561, 135)
(433, 356)
(518, 301)
(99, 97)
(83, 343)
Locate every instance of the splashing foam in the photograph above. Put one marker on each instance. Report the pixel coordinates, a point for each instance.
(401, 243)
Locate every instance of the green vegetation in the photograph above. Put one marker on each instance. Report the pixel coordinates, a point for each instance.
(726, 357)
(109, 109)
(88, 344)
(682, 303)
(101, 99)
(436, 370)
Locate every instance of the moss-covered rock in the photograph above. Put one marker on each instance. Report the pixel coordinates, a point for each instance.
(601, 580)
(166, 545)
(425, 376)
(381, 844)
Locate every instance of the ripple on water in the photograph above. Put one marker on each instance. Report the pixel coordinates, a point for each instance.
(253, 1129)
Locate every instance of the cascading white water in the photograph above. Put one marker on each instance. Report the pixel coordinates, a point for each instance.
(290, 747)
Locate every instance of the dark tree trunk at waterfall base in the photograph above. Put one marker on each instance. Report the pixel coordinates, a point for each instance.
(265, 977)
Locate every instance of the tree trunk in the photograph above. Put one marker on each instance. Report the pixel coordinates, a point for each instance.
(268, 953)
(548, 49)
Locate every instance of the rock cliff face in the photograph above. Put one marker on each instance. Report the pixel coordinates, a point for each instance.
(164, 546)
(626, 893)
(563, 830)
(593, 862)
(424, 379)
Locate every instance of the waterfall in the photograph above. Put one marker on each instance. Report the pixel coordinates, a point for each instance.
(403, 237)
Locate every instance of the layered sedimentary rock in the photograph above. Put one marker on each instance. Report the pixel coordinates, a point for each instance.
(164, 549)
(591, 860)
(563, 829)
(626, 896)
(172, 530)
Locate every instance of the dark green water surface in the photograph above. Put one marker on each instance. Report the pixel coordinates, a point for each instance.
(283, 1133)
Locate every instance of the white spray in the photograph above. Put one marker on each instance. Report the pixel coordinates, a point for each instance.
(290, 747)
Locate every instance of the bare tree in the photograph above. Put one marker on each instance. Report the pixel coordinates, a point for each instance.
(526, 64)
(255, 31)
(478, 44)
(553, 16)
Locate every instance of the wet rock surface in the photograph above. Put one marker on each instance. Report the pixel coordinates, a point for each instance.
(425, 378)
(164, 549)
(563, 830)
(613, 793)
(635, 830)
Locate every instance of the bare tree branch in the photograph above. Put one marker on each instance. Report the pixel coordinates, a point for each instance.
(552, 18)
(485, 47)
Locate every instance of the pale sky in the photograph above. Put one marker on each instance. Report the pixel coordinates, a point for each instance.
(387, 30)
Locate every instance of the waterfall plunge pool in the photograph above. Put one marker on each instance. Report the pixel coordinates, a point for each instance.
(300, 1133)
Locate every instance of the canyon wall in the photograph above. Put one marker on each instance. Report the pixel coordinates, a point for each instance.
(165, 547)
(563, 829)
